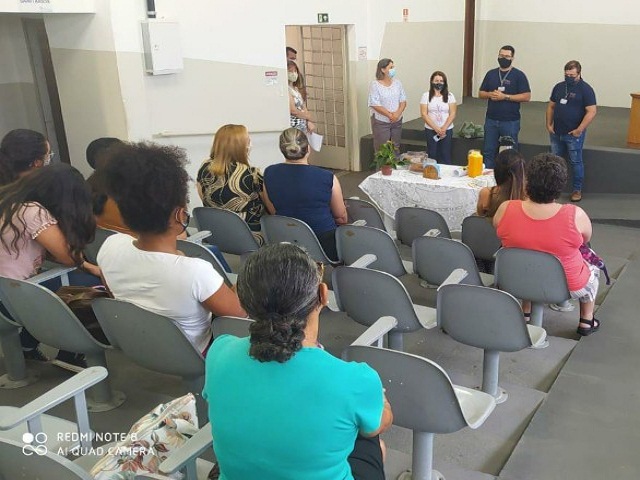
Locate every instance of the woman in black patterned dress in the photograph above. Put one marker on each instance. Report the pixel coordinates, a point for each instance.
(225, 179)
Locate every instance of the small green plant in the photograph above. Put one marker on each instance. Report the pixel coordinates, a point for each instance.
(386, 155)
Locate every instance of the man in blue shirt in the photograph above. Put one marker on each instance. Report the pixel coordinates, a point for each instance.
(504, 88)
(571, 109)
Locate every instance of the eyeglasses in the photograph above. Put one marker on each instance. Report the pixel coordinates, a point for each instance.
(508, 57)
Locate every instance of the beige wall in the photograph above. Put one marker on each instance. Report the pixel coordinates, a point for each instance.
(418, 49)
(91, 100)
(606, 52)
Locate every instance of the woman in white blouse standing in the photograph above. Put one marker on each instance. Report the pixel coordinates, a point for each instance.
(438, 110)
(387, 101)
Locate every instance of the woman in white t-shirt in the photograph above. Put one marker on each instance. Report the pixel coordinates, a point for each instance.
(438, 110)
(149, 184)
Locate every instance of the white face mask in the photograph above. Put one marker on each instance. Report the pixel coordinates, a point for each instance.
(293, 76)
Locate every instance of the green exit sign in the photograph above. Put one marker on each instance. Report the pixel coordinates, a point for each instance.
(323, 18)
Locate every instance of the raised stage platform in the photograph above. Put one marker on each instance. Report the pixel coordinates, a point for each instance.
(610, 166)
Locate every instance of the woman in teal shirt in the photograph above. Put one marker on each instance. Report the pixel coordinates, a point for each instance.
(281, 407)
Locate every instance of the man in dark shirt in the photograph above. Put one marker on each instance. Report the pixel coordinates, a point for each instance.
(571, 109)
(504, 88)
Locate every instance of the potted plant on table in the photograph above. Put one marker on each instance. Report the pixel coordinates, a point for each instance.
(385, 158)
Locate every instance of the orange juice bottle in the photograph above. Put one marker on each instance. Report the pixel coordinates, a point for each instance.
(474, 166)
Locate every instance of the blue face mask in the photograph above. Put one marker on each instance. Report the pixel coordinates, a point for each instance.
(392, 72)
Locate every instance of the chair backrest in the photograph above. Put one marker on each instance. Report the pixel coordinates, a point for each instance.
(419, 390)
(362, 210)
(366, 295)
(46, 316)
(480, 236)
(354, 241)
(278, 228)
(151, 340)
(194, 250)
(236, 326)
(531, 275)
(92, 249)
(482, 317)
(229, 232)
(434, 259)
(15, 464)
(414, 222)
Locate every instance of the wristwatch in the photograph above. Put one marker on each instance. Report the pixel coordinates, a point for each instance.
(508, 98)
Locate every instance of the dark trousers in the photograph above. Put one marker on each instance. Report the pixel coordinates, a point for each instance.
(328, 242)
(366, 459)
(384, 131)
(440, 150)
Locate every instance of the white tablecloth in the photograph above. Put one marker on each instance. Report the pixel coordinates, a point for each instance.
(453, 197)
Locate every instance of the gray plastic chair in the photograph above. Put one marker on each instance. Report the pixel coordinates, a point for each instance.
(531, 275)
(353, 242)
(229, 232)
(153, 341)
(49, 320)
(366, 295)
(236, 326)
(17, 373)
(278, 229)
(490, 319)
(414, 222)
(434, 258)
(31, 418)
(195, 250)
(424, 400)
(92, 249)
(480, 236)
(358, 209)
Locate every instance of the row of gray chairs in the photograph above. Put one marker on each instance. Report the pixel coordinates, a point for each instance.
(444, 408)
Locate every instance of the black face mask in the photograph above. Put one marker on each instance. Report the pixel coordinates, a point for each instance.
(504, 62)
(570, 80)
(438, 86)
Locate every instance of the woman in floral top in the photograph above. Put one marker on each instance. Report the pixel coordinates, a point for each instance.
(225, 179)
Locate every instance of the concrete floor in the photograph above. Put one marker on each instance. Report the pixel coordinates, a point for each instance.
(573, 411)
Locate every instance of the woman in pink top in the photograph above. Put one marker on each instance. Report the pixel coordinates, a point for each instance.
(45, 213)
(540, 223)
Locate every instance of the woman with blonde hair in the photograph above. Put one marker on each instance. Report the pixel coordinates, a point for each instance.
(226, 180)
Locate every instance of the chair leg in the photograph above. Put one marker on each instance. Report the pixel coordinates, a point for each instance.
(17, 374)
(490, 372)
(102, 398)
(195, 386)
(537, 310)
(422, 462)
(395, 341)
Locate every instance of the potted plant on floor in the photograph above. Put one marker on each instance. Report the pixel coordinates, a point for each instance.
(385, 158)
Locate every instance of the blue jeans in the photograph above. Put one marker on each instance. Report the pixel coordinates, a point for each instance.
(493, 130)
(570, 148)
(441, 150)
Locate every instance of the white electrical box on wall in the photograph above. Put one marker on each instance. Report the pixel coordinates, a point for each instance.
(162, 50)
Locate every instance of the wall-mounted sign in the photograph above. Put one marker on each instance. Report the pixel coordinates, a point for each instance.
(323, 18)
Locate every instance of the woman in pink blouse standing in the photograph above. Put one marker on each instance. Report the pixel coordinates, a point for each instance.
(387, 101)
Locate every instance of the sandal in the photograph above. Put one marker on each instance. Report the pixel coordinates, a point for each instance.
(527, 317)
(595, 325)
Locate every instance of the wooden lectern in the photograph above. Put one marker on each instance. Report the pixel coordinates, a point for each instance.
(633, 136)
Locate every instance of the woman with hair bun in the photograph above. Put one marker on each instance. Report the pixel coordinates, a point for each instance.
(281, 407)
(299, 190)
(509, 175)
(21, 151)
